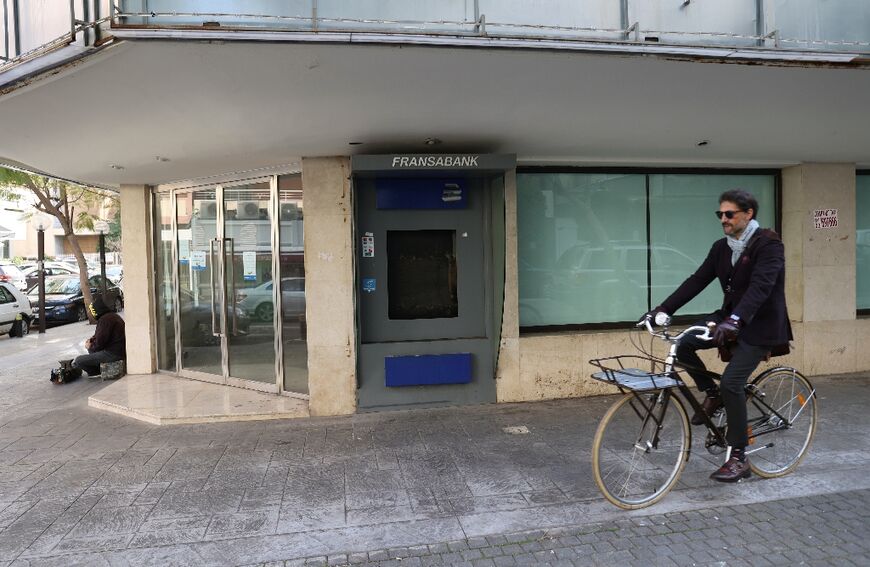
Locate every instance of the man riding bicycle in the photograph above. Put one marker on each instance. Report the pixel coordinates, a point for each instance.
(752, 323)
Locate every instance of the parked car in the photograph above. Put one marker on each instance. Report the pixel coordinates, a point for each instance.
(615, 274)
(31, 274)
(115, 272)
(257, 301)
(64, 301)
(10, 273)
(15, 311)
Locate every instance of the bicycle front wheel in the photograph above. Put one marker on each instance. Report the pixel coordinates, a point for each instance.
(640, 449)
(782, 417)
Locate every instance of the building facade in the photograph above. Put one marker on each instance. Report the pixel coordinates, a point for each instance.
(379, 207)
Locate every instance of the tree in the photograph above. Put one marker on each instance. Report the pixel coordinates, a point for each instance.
(69, 203)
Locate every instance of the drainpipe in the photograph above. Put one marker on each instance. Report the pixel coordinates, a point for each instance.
(5, 31)
(16, 36)
(72, 22)
(97, 31)
(759, 22)
(623, 14)
(86, 12)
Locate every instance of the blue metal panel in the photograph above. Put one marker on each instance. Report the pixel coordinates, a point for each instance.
(421, 193)
(427, 369)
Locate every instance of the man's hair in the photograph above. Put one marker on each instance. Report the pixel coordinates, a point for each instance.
(743, 199)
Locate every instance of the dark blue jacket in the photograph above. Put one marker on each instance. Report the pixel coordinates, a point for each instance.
(753, 288)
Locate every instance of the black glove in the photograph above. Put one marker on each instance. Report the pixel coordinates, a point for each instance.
(726, 332)
(651, 314)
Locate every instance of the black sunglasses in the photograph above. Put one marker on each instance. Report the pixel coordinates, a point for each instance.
(727, 214)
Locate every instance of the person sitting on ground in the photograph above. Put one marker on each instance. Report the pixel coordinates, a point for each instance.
(109, 343)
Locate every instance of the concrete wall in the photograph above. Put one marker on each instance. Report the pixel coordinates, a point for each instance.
(820, 290)
(139, 307)
(329, 294)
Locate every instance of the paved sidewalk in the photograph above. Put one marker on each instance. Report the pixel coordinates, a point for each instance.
(818, 531)
(83, 487)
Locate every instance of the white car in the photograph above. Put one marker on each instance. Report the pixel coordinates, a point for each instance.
(15, 311)
(257, 301)
(10, 273)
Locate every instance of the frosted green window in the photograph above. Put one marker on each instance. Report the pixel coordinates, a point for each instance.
(579, 235)
(586, 254)
(862, 239)
(683, 227)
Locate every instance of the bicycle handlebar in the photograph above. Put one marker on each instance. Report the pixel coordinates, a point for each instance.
(665, 336)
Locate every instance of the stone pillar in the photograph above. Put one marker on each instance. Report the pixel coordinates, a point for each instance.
(508, 387)
(820, 265)
(139, 308)
(329, 289)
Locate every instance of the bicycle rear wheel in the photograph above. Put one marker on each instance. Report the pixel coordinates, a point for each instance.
(782, 416)
(638, 454)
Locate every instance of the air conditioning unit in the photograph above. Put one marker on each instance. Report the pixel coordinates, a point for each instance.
(289, 212)
(207, 209)
(247, 210)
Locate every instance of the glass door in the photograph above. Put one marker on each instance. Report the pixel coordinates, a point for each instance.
(227, 316)
(249, 290)
(199, 285)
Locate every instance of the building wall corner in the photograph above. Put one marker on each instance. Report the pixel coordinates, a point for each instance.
(139, 301)
(329, 269)
(820, 264)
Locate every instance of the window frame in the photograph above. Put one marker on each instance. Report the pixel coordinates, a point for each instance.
(647, 172)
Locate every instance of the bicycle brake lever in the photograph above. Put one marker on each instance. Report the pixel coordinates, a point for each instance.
(706, 335)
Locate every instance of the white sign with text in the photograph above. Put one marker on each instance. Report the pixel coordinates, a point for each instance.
(825, 218)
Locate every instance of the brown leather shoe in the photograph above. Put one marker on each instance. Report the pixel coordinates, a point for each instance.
(732, 471)
(709, 405)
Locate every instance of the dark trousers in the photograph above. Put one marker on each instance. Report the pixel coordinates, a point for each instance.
(90, 363)
(745, 359)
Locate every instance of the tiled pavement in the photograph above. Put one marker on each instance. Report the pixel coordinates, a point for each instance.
(82, 487)
(821, 530)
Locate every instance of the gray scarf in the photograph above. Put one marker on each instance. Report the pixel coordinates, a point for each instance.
(737, 245)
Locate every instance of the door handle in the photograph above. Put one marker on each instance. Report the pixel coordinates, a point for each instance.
(232, 265)
(214, 325)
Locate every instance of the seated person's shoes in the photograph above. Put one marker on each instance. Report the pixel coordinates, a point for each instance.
(733, 470)
(709, 405)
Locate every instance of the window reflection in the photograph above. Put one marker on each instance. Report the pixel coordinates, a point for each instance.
(292, 259)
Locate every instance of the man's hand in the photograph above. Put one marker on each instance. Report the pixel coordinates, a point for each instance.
(726, 332)
(651, 315)
(89, 342)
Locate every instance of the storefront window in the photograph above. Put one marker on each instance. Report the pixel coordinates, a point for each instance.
(862, 239)
(605, 247)
(292, 259)
(165, 296)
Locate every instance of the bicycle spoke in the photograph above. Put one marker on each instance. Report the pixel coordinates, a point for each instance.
(784, 423)
(635, 461)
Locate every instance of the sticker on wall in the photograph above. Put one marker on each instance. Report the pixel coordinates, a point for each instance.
(197, 260)
(249, 266)
(368, 245)
(369, 285)
(825, 218)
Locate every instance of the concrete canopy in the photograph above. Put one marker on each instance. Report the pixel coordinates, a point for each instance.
(172, 110)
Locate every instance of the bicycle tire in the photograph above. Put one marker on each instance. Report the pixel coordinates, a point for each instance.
(628, 476)
(779, 451)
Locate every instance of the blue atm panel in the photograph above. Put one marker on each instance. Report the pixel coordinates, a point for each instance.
(427, 369)
(417, 194)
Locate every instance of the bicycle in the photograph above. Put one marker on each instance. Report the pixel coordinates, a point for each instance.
(643, 442)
